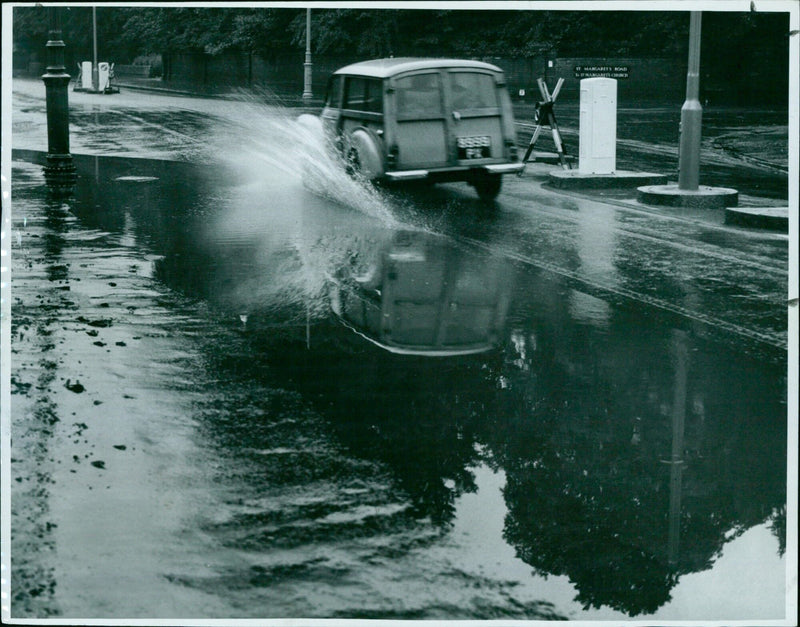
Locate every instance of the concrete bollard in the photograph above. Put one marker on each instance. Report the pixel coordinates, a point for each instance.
(597, 151)
(103, 74)
(86, 75)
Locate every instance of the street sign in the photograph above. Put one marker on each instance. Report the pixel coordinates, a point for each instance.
(601, 71)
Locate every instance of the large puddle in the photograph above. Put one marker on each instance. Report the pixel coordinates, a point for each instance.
(292, 405)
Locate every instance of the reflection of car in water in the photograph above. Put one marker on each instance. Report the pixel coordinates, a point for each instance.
(433, 119)
(425, 296)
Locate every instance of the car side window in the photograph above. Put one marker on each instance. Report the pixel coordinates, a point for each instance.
(334, 96)
(419, 95)
(472, 90)
(364, 94)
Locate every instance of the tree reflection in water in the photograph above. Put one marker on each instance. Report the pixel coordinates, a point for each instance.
(585, 423)
(583, 419)
(586, 452)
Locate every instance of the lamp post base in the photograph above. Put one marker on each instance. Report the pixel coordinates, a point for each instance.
(704, 197)
(60, 174)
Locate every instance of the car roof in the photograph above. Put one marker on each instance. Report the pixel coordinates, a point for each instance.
(384, 68)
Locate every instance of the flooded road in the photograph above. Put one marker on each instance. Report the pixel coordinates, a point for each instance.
(234, 396)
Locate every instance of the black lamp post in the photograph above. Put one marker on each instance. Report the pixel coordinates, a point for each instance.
(59, 172)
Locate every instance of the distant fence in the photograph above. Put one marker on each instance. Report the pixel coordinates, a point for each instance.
(282, 73)
(25, 64)
(645, 80)
(122, 70)
(639, 80)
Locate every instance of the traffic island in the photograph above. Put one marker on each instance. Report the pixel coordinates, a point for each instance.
(597, 158)
(106, 90)
(575, 179)
(551, 158)
(703, 197)
(776, 218)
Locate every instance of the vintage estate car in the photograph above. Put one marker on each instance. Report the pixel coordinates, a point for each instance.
(413, 118)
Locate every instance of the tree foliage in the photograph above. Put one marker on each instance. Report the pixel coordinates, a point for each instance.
(133, 31)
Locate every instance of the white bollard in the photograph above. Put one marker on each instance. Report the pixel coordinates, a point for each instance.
(103, 75)
(86, 75)
(598, 126)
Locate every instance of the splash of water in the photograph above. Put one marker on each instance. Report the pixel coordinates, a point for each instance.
(270, 142)
(298, 212)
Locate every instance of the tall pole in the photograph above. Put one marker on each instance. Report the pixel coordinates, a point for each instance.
(307, 65)
(691, 113)
(95, 71)
(59, 171)
(680, 354)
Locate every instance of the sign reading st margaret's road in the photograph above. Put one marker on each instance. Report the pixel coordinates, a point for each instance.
(606, 71)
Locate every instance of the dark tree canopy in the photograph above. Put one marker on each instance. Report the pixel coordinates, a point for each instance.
(134, 31)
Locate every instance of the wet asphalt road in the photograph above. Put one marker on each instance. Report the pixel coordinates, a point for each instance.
(210, 418)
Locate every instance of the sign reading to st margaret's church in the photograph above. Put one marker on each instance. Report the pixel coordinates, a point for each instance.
(606, 71)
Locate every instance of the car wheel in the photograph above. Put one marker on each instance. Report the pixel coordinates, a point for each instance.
(488, 186)
(364, 155)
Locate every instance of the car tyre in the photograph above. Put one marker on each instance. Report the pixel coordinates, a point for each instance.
(488, 186)
(363, 158)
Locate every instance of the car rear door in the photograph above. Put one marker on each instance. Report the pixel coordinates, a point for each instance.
(475, 116)
(421, 121)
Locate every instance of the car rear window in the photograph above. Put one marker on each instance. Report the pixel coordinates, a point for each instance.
(364, 94)
(419, 95)
(472, 90)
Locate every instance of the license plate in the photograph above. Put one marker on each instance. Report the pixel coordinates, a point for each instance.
(478, 147)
